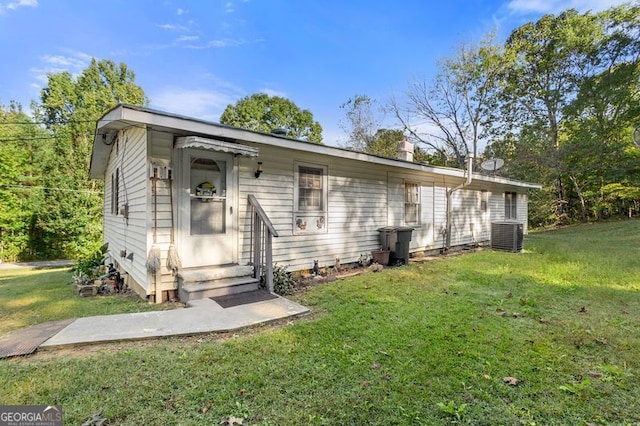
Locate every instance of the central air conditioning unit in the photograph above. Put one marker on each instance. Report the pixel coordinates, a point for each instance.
(507, 236)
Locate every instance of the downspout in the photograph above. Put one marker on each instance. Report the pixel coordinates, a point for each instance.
(450, 192)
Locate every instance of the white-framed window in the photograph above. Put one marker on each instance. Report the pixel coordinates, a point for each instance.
(310, 198)
(115, 191)
(510, 205)
(411, 203)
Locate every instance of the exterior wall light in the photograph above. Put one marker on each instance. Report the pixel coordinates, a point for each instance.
(258, 170)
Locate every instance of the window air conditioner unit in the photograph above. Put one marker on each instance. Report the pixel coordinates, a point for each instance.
(507, 236)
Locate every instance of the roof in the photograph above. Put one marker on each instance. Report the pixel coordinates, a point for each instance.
(125, 116)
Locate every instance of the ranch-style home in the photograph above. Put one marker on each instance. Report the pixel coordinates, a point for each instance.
(217, 206)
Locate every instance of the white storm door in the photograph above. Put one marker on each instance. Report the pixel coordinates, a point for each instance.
(206, 203)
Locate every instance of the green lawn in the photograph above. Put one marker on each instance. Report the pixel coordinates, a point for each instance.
(32, 296)
(548, 336)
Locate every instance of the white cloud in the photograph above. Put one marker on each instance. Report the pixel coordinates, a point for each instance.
(273, 92)
(187, 38)
(556, 6)
(74, 62)
(20, 3)
(229, 7)
(172, 27)
(204, 104)
(220, 43)
(181, 12)
(13, 5)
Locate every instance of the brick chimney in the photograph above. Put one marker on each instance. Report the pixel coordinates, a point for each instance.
(405, 151)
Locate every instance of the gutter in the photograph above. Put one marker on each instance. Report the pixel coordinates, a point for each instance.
(450, 192)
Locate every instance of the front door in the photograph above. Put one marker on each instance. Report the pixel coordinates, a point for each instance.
(206, 217)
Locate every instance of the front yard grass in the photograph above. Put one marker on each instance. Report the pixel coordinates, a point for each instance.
(30, 296)
(548, 336)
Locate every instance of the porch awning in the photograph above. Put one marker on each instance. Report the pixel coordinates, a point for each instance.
(198, 142)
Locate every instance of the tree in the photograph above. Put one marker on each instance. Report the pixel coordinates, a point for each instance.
(264, 113)
(568, 102)
(362, 122)
(548, 58)
(385, 142)
(69, 221)
(448, 115)
(20, 195)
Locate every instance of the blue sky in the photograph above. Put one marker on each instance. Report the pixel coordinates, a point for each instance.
(196, 57)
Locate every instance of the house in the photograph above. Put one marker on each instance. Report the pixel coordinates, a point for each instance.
(232, 202)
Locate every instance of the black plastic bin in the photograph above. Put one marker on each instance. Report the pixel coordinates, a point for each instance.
(396, 239)
(388, 238)
(401, 254)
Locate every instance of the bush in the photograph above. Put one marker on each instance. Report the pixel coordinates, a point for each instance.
(283, 283)
(89, 265)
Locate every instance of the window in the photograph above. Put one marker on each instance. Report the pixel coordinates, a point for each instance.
(310, 195)
(310, 188)
(510, 205)
(115, 192)
(411, 203)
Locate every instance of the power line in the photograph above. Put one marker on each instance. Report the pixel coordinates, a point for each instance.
(90, 191)
(40, 138)
(26, 123)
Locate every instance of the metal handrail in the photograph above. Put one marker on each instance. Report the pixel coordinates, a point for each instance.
(262, 233)
(263, 216)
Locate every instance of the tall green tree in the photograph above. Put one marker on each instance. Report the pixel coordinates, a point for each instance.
(569, 100)
(20, 195)
(265, 113)
(607, 106)
(449, 115)
(548, 59)
(71, 215)
(362, 120)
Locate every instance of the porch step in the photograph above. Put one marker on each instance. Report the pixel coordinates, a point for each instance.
(202, 283)
(218, 288)
(201, 275)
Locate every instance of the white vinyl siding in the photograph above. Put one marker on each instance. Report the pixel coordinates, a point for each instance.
(127, 163)
(356, 206)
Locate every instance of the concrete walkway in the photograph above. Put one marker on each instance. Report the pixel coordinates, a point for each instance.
(37, 264)
(202, 316)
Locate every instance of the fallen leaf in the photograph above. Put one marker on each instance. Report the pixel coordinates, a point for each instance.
(543, 320)
(486, 376)
(509, 295)
(376, 365)
(516, 315)
(206, 407)
(364, 383)
(594, 374)
(583, 310)
(511, 381)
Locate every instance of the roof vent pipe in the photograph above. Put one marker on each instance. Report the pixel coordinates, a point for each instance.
(467, 182)
(279, 132)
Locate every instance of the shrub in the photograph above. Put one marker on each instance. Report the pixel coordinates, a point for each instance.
(89, 265)
(283, 283)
